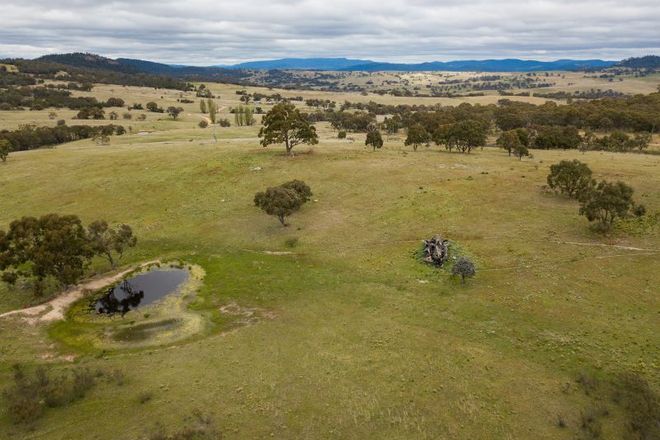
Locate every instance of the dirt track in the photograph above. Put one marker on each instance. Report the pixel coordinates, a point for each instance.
(55, 308)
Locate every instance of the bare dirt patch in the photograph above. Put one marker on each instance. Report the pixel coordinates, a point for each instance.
(246, 315)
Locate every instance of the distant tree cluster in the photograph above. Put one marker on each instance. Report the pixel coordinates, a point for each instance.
(29, 137)
(174, 112)
(552, 126)
(58, 247)
(243, 115)
(42, 97)
(515, 141)
(463, 136)
(618, 141)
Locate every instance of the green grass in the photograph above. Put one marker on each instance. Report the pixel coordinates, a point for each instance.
(368, 342)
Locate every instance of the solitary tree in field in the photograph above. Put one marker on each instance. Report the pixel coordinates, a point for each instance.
(570, 177)
(108, 242)
(417, 135)
(606, 202)
(463, 267)
(285, 124)
(283, 200)
(213, 110)
(374, 139)
(4, 149)
(174, 111)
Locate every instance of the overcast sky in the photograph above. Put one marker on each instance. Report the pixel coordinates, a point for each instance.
(204, 32)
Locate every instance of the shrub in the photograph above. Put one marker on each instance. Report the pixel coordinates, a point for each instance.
(196, 427)
(291, 242)
(463, 267)
(203, 123)
(30, 395)
(341, 134)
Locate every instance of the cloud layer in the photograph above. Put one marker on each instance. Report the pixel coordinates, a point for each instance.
(204, 32)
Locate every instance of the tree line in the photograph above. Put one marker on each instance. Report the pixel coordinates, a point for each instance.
(39, 98)
(42, 69)
(639, 113)
(30, 137)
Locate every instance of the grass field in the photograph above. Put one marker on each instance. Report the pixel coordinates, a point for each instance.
(362, 340)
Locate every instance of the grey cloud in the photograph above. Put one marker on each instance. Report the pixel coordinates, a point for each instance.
(216, 31)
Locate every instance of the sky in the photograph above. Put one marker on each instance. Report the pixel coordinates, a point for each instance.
(208, 32)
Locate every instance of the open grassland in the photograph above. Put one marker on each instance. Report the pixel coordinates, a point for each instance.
(364, 341)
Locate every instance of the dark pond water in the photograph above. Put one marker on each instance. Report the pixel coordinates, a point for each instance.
(140, 290)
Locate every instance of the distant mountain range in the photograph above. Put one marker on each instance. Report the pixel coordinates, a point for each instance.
(241, 71)
(301, 64)
(344, 64)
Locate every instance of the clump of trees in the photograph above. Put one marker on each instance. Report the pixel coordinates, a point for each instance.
(516, 141)
(174, 112)
(91, 113)
(283, 200)
(619, 141)
(284, 123)
(58, 247)
(600, 202)
(464, 135)
(29, 137)
(243, 115)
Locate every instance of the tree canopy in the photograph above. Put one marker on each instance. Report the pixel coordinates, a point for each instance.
(283, 200)
(374, 139)
(570, 177)
(58, 247)
(285, 124)
(606, 202)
